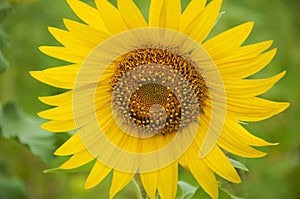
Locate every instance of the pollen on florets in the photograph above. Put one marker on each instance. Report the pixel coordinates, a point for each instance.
(154, 88)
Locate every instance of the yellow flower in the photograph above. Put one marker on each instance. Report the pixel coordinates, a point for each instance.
(145, 97)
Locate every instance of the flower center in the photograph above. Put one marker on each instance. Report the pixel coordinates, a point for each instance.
(154, 88)
(144, 110)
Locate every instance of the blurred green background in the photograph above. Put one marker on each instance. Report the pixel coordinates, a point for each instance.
(25, 149)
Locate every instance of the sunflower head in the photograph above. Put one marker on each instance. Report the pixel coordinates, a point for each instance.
(147, 96)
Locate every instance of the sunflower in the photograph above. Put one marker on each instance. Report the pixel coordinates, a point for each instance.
(147, 96)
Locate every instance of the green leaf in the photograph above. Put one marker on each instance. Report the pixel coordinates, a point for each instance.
(11, 188)
(4, 8)
(84, 168)
(238, 165)
(223, 194)
(4, 5)
(3, 37)
(185, 190)
(200, 193)
(17, 125)
(220, 16)
(3, 63)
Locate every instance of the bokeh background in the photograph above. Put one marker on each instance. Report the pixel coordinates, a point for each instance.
(25, 149)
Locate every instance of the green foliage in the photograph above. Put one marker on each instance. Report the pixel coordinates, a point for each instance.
(84, 168)
(200, 193)
(185, 190)
(16, 125)
(238, 165)
(11, 188)
(3, 44)
(3, 63)
(4, 7)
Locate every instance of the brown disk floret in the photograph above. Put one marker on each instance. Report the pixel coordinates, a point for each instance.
(151, 93)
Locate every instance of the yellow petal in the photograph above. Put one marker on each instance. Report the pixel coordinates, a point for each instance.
(234, 146)
(227, 42)
(57, 100)
(247, 52)
(85, 33)
(71, 146)
(61, 77)
(167, 181)
(66, 112)
(59, 126)
(245, 68)
(155, 12)
(203, 23)
(219, 163)
(62, 53)
(205, 177)
(170, 14)
(119, 181)
(67, 39)
(58, 113)
(253, 109)
(110, 132)
(88, 14)
(77, 160)
(111, 17)
(131, 15)
(97, 174)
(250, 87)
(233, 129)
(194, 8)
(150, 181)
(51, 80)
(201, 172)
(124, 141)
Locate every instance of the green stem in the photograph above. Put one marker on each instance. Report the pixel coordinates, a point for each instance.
(139, 189)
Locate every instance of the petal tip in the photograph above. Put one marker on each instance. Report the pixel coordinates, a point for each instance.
(62, 152)
(42, 99)
(274, 144)
(89, 185)
(35, 74)
(51, 29)
(250, 23)
(43, 126)
(42, 49)
(235, 178)
(284, 106)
